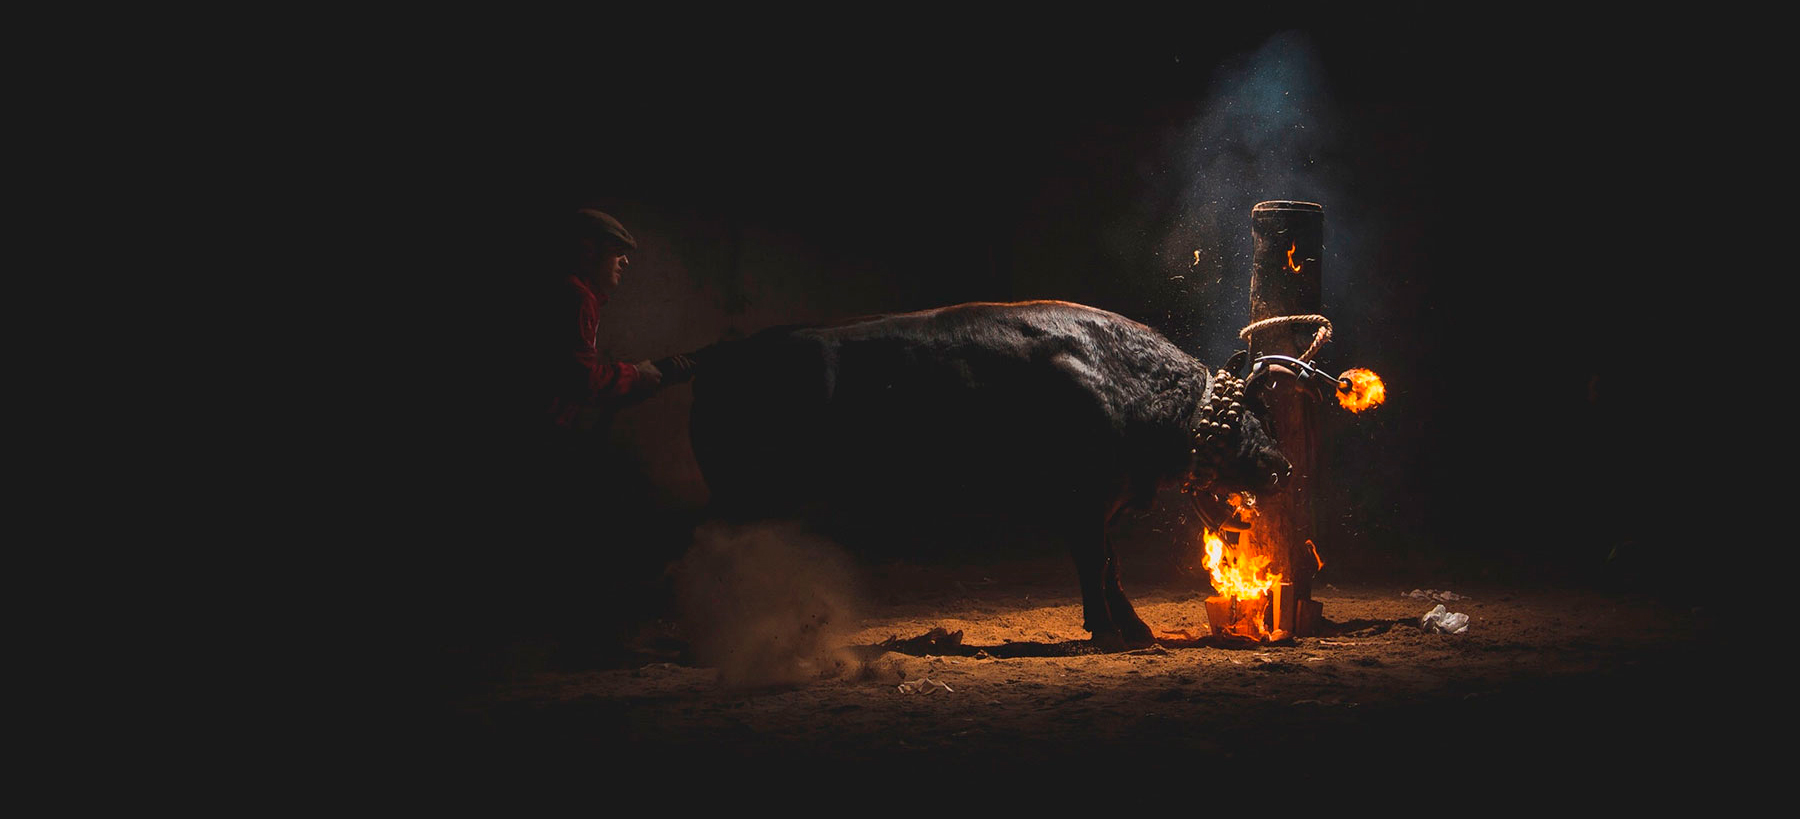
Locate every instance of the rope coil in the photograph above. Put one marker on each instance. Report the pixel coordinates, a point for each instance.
(1319, 338)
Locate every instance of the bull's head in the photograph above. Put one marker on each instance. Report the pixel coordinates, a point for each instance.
(1233, 449)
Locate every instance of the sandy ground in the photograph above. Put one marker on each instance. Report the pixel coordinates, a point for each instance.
(1545, 680)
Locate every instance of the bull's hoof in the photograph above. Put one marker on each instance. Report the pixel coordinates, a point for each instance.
(1137, 634)
(1109, 641)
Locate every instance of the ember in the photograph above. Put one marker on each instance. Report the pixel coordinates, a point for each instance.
(1291, 266)
(1365, 392)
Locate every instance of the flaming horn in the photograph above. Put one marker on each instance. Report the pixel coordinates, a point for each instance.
(1356, 389)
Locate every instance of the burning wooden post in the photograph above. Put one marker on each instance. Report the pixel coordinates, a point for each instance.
(1286, 280)
(1237, 618)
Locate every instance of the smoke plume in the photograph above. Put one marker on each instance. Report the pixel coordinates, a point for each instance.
(767, 604)
(1267, 131)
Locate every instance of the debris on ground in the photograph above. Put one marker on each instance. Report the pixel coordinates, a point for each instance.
(924, 685)
(1436, 595)
(1442, 620)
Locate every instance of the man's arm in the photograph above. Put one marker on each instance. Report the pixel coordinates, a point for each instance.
(583, 375)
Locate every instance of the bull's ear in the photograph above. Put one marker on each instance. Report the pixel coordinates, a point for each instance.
(1254, 400)
(1259, 409)
(1235, 366)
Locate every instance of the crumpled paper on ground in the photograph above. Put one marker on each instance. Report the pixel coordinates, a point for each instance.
(924, 685)
(1445, 621)
(1435, 594)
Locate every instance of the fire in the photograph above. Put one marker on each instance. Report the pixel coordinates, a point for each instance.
(1244, 585)
(1291, 266)
(1234, 575)
(1366, 390)
(1315, 551)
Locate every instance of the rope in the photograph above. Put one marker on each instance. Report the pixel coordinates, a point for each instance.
(1319, 338)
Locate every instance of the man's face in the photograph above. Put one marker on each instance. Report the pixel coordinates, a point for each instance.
(604, 263)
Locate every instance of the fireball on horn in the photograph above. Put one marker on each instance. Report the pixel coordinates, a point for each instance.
(1360, 389)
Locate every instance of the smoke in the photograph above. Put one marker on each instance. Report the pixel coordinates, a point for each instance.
(1266, 131)
(767, 604)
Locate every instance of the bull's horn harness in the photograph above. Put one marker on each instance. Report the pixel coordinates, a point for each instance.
(1222, 403)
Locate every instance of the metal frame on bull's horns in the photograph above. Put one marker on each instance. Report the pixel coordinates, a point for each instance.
(1308, 374)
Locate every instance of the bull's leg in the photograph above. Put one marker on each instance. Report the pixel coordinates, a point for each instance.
(1093, 564)
(1090, 564)
(1132, 628)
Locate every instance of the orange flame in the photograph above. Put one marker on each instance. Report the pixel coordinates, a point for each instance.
(1366, 390)
(1236, 575)
(1315, 551)
(1291, 266)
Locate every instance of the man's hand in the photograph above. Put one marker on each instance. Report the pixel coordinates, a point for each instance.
(678, 368)
(649, 377)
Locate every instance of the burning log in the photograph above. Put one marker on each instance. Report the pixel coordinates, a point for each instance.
(1281, 610)
(1242, 609)
(1237, 617)
(1309, 616)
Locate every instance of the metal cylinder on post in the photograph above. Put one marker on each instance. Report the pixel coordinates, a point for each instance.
(1286, 279)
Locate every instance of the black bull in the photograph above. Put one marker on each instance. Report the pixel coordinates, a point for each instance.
(1063, 413)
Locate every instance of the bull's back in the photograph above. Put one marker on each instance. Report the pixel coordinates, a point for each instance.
(976, 406)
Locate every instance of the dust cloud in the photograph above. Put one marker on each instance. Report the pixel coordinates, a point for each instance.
(767, 604)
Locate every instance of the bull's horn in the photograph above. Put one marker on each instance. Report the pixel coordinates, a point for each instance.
(1307, 374)
(1258, 376)
(1236, 365)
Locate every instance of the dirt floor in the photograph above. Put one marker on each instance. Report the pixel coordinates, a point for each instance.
(1544, 680)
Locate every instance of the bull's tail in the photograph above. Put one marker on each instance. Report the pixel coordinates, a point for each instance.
(682, 367)
(729, 353)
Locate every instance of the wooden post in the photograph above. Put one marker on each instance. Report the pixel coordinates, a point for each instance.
(1286, 276)
(1282, 609)
(1237, 617)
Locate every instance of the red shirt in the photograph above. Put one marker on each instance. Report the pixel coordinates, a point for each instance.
(583, 379)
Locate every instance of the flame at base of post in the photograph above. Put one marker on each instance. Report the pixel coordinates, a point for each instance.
(1246, 608)
(1237, 617)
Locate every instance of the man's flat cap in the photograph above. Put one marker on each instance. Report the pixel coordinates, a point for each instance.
(592, 224)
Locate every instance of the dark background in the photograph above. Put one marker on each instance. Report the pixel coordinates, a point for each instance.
(1508, 198)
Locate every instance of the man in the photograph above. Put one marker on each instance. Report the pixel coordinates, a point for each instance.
(582, 380)
(570, 574)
